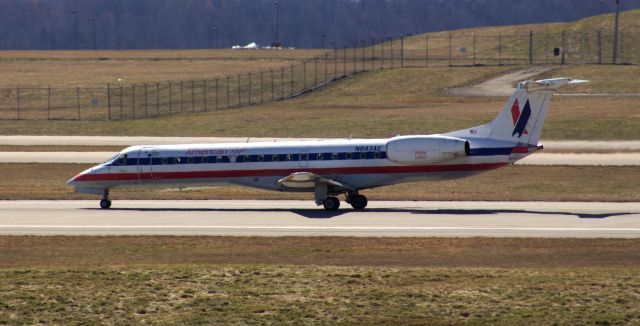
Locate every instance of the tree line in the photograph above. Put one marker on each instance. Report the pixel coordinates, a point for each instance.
(163, 24)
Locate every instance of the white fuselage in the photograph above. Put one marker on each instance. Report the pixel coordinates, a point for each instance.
(357, 163)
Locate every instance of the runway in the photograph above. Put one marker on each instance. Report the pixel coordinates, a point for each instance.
(124, 141)
(303, 218)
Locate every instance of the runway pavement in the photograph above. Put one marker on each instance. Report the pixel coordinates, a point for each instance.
(610, 159)
(129, 141)
(303, 218)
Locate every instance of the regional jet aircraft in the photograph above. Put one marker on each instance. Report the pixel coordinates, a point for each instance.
(331, 168)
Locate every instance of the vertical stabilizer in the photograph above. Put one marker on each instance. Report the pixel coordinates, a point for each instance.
(522, 117)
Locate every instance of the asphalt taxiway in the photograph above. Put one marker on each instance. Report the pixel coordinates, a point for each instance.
(303, 218)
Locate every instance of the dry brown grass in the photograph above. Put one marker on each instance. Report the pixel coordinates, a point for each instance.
(58, 148)
(97, 68)
(96, 251)
(211, 280)
(401, 101)
(555, 183)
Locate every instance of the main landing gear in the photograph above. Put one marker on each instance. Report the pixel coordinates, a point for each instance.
(357, 201)
(105, 203)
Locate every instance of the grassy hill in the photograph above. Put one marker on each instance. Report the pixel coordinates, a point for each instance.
(372, 104)
(581, 42)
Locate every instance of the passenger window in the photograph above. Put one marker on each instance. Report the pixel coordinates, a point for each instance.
(349, 155)
(218, 159)
(164, 161)
(289, 157)
(303, 157)
(260, 158)
(177, 160)
(275, 158)
(377, 155)
(363, 156)
(191, 160)
(334, 156)
(205, 159)
(319, 156)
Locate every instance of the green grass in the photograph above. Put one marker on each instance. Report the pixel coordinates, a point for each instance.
(377, 104)
(324, 280)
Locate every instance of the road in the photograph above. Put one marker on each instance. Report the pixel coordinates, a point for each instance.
(611, 159)
(129, 141)
(303, 218)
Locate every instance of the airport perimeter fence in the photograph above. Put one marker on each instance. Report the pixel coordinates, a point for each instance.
(120, 102)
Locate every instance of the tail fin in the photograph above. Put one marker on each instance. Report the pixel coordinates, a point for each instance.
(521, 119)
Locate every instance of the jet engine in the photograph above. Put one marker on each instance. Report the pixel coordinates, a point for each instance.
(425, 149)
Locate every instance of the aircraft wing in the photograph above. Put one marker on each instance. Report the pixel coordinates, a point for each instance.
(308, 180)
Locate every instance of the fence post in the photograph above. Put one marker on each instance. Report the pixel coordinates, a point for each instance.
(170, 98)
(500, 49)
(282, 83)
(157, 99)
(204, 94)
(315, 72)
(391, 54)
(108, 101)
(261, 87)
(249, 76)
(217, 96)
(304, 75)
(228, 99)
(335, 62)
(382, 54)
(363, 54)
(475, 41)
(182, 97)
(599, 36)
(355, 56)
(273, 88)
(373, 55)
(426, 50)
(326, 57)
(450, 36)
(621, 47)
(292, 82)
(121, 90)
(239, 95)
(18, 100)
(193, 97)
(49, 103)
(564, 47)
(344, 61)
(133, 100)
(78, 101)
(530, 47)
(146, 106)
(402, 51)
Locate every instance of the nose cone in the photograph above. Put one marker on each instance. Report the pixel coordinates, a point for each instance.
(75, 181)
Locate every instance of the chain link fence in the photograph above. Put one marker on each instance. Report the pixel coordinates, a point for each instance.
(120, 102)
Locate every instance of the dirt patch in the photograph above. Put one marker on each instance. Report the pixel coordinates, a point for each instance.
(502, 85)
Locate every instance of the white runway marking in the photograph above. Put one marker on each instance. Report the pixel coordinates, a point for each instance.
(303, 218)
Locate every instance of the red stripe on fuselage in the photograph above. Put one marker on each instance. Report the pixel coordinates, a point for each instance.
(285, 172)
(520, 150)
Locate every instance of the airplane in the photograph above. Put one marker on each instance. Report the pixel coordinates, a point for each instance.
(329, 168)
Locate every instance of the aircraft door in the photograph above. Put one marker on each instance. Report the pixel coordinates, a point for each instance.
(145, 166)
(304, 158)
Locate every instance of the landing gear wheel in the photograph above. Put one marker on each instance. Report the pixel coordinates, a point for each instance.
(331, 204)
(358, 202)
(105, 203)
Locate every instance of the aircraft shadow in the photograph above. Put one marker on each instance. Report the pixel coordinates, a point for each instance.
(320, 213)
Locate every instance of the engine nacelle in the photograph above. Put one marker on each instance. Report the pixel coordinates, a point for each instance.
(425, 149)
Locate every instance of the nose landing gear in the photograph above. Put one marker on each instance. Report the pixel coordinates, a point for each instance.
(105, 203)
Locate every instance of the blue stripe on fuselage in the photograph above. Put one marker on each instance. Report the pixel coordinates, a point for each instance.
(490, 151)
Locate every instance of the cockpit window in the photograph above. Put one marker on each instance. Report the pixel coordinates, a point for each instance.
(118, 159)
